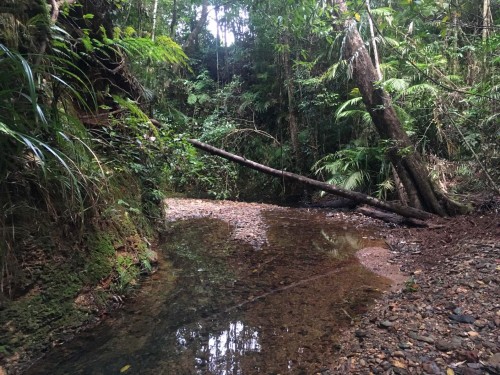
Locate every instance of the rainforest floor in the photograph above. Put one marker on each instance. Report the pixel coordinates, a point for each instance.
(445, 319)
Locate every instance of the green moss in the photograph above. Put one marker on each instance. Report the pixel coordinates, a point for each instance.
(127, 271)
(62, 266)
(99, 263)
(41, 316)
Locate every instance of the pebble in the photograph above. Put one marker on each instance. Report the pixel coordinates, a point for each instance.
(473, 334)
(471, 371)
(480, 323)
(445, 345)
(386, 324)
(462, 318)
(405, 345)
(431, 368)
(426, 339)
(494, 362)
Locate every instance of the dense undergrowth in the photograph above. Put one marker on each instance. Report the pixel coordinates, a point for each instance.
(80, 193)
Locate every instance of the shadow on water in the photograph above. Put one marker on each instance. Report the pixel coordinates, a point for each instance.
(227, 308)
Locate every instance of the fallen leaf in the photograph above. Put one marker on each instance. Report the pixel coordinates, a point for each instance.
(449, 371)
(398, 364)
(125, 368)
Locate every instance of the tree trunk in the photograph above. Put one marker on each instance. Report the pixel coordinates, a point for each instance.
(352, 195)
(197, 29)
(406, 160)
(293, 123)
(173, 23)
(376, 61)
(487, 19)
(155, 15)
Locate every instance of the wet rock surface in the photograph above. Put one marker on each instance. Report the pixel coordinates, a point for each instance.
(445, 319)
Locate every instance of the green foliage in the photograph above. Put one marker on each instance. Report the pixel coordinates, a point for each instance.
(127, 272)
(357, 168)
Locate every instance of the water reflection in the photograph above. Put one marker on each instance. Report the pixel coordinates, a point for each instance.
(337, 244)
(223, 351)
(232, 309)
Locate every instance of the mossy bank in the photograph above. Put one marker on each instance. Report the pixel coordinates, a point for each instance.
(61, 277)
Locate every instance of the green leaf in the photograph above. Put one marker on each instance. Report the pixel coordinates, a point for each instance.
(192, 98)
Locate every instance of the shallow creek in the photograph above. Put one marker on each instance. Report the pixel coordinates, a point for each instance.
(219, 306)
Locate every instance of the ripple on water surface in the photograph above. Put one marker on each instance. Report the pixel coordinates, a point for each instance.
(226, 308)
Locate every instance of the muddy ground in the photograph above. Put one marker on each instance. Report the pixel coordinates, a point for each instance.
(442, 315)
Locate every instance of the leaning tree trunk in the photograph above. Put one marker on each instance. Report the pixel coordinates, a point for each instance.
(402, 154)
(193, 36)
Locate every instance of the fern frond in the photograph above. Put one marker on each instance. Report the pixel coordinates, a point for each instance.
(348, 103)
(395, 84)
(422, 89)
(354, 180)
(334, 70)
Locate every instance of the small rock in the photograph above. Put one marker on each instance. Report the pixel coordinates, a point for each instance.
(386, 365)
(417, 337)
(360, 333)
(471, 371)
(448, 345)
(494, 361)
(474, 365)
(471, 356)
(431, 368)
(462, 318)
(405, 345)
(385, 324)
(480, 323)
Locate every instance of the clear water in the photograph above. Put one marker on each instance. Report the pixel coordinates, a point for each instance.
(222, 307)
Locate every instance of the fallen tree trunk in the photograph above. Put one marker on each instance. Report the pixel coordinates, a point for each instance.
(393, 218)
(352, 195)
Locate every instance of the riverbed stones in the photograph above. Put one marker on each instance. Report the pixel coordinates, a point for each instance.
(445, 319)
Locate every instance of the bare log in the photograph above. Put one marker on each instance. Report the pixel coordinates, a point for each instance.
(393, 218)
(352, 195)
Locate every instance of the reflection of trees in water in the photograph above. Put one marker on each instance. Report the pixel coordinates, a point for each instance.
(234, 310)
(220, 353)
(338, 245)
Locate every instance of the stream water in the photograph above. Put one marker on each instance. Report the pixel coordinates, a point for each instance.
(222, 307)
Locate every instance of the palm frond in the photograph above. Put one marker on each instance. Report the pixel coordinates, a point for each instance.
(395, 85)
(348, 103)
